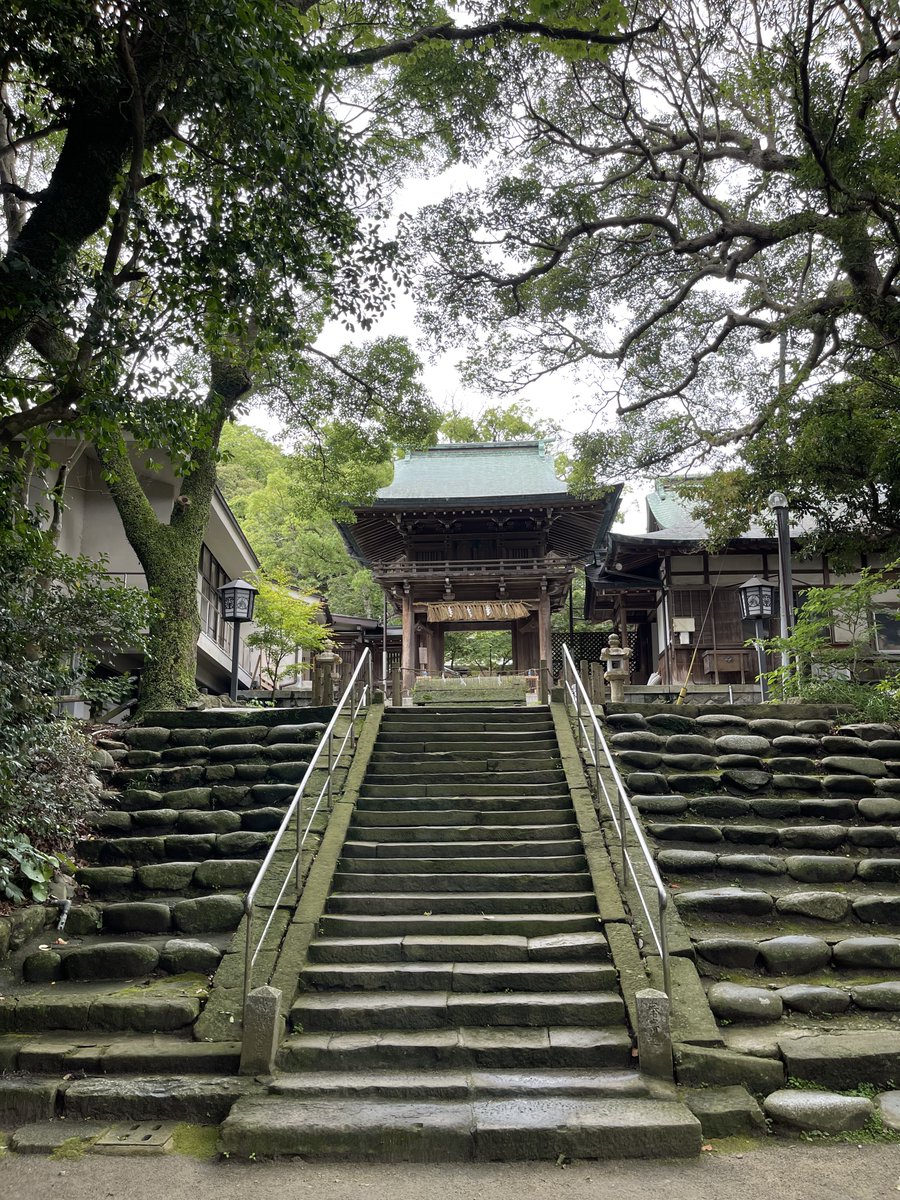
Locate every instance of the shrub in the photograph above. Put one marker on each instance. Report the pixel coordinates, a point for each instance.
(59, 618)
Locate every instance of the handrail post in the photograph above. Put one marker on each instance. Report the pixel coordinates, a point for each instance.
(299, 839)
(664, 944)
(330, 766)
(543, 690)
(248, 941)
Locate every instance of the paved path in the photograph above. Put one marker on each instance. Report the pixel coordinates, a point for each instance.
(792, 1171)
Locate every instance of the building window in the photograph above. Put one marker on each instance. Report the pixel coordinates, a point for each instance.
(887, 631)
(212, 576)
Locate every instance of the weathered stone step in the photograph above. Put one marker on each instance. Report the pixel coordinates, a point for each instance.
(504, 1049)
(380, 819)
(362, 881)
(486, 757)
(435, 739)
(461, 832)
(64, 1053)
(492, 848)
(480, 864)
(461, 1085)
(444, 903)
(466, 719)
(77, 1007)
(341, 1012)
(525, 924)
(462, 977)
(308, 718)
(461, 774)
(560, 801)
(488, 947)
(197, 1099)
(438, 710)
(175, 847)
(478, 787)
(822, 869)
(459, 1131)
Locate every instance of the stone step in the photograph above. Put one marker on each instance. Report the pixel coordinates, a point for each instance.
(443, 903)
(449, 882)
(303, 719)
(462, 832)
(343, 1012)
(492, 848)
(382, 819)
(478, 865)
(77, 1007)
(462, 977)
(436, 739)
(487, 756)
(494, 720)
(416, 1131)
(524, 924)
(505, 1049)
(561, 802)
(176, 847)
(462, 775)
(110, 1053)
(476, 788)
(591, 946)
(462, 1085)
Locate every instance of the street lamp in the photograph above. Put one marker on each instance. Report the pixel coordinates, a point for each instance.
(238, 598)
(757, 598)
(778, 504)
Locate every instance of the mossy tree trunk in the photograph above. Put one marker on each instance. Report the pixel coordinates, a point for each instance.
(169, 551)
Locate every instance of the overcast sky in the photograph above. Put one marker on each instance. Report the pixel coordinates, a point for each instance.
(551, 397)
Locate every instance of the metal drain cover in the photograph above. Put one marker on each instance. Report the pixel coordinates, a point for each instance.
(136, 1137)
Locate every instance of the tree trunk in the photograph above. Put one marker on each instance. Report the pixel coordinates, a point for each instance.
(170, 553)
(170, 669)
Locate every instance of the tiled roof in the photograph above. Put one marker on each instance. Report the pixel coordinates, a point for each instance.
(474, 471)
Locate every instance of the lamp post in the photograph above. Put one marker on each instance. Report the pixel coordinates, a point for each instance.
(778, 504)
(757, 598)
(238, 598)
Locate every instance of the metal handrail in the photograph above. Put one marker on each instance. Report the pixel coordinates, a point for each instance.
(356, 697)
(620, 810)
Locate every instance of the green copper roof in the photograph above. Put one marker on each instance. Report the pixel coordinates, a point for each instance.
(474, 471)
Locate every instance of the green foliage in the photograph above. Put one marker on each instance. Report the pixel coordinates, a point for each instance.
(481, 650)
(696, 231)
(56, 616)
(283, 622)
(835, 454)
(509, 423)
(820, 670)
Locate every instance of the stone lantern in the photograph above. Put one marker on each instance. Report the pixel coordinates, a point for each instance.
(615, 658)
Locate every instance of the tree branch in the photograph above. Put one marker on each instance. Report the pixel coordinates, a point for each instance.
(452, 33)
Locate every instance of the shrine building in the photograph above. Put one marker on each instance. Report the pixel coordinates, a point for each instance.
(481, 534)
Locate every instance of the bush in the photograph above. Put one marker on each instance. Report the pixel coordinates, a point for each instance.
(59, 617)
(821, 672)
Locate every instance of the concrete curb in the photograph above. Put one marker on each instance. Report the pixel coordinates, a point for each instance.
(304, 924)
(617, 926)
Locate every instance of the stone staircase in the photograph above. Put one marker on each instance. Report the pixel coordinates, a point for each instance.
(779, 836)
(193, 800)
(459, 1000)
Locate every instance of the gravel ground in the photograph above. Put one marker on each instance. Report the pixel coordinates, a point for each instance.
(774, 1171)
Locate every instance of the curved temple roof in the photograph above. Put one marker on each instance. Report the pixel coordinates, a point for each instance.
(474, 471)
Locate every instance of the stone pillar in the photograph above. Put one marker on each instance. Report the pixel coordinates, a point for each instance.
(262, 1030)
(544, 650)
(653, 1033)
(408, 662)
(434, 644)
